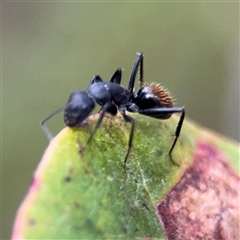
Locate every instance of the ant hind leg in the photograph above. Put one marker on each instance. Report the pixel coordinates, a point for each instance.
(138, 64)
(177, 133)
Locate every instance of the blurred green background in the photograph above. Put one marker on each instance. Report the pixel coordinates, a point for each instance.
(50, 49)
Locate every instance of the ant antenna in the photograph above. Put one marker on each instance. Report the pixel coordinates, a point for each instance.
(47, 132)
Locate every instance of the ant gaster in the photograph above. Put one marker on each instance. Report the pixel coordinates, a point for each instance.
(151, 100)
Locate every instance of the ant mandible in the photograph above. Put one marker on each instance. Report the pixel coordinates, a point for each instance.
(151, 100)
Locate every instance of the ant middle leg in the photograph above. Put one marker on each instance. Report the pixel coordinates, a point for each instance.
(132, 122)
(117, 76)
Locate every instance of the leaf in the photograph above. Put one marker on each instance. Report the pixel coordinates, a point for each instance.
(80, 192)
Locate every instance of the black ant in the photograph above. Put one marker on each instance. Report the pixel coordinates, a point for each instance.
(151, 100)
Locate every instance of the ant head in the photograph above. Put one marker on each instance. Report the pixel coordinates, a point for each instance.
(151, 96)
(78, 108)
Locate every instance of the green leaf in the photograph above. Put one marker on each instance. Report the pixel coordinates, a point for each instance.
(81, 192)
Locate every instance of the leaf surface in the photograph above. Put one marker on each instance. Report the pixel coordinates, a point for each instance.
(81, 192)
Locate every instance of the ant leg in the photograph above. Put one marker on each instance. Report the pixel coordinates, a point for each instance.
(158, 113)
(177, 133)
(141, 71)
(138, 61)
(47, 132)
(108, 107)
(95, 79)
(130, 120)
(117, 76)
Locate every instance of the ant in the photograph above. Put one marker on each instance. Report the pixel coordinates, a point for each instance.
(151, 100)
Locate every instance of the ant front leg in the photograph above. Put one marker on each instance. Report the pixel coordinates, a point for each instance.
(107, 107)
(95, 79)
(138, 64)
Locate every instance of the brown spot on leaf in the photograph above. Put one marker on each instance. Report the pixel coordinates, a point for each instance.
(205, 202)
(159, 153)
(68, 179)
(32, 222)
(86, 171)
(70, 171)
(77, 205)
